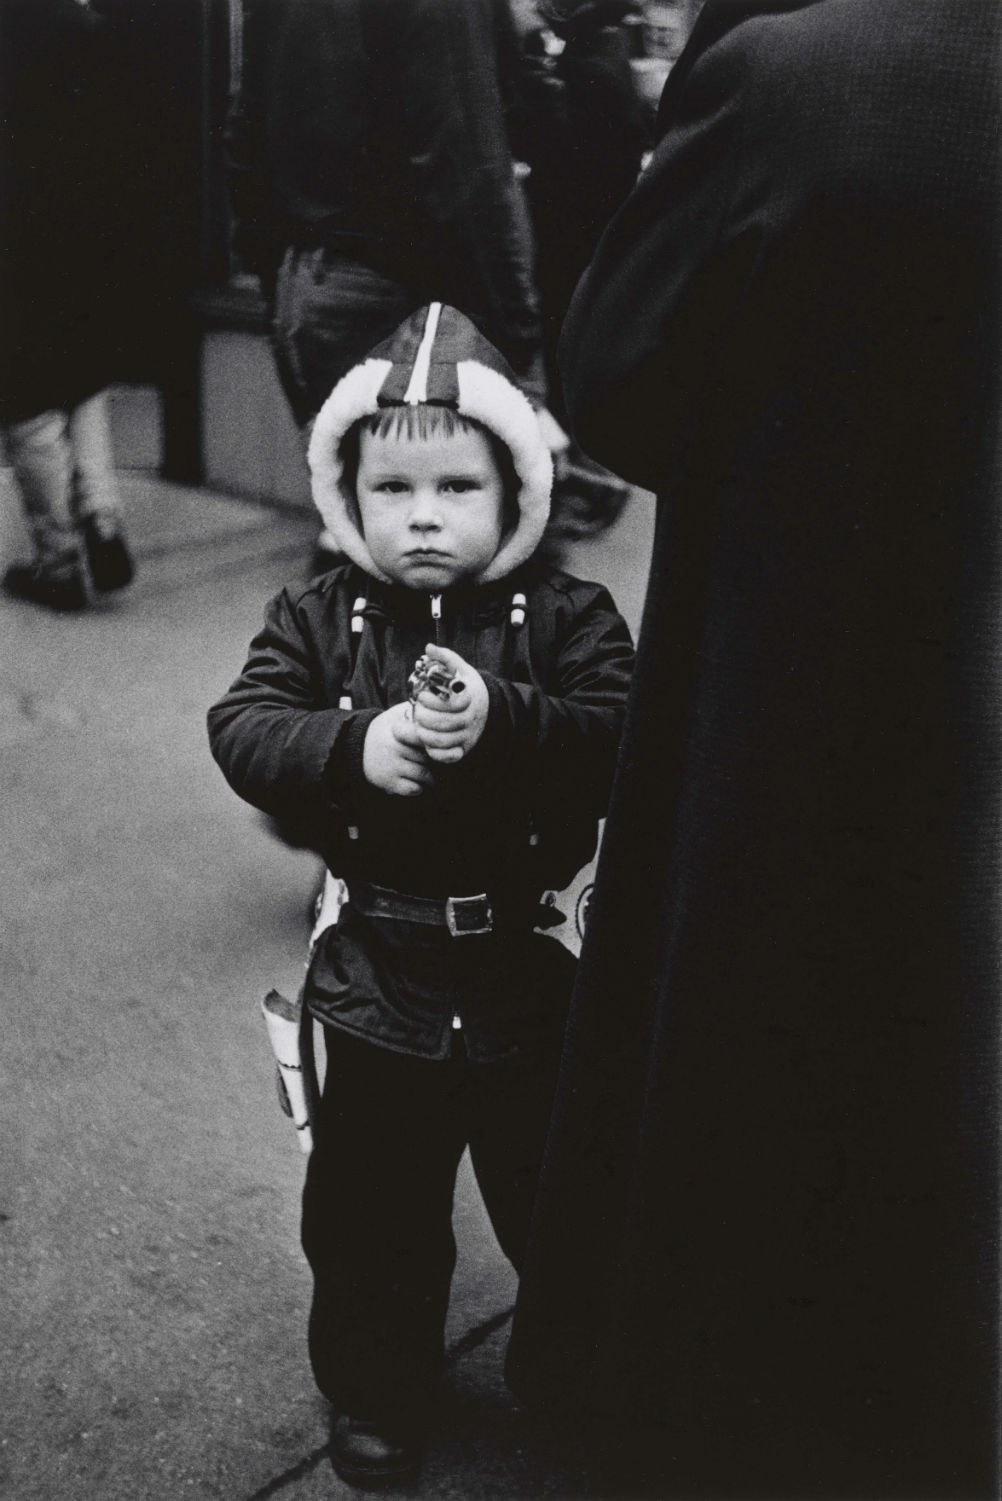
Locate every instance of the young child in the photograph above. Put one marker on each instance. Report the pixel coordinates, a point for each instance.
(447, 817)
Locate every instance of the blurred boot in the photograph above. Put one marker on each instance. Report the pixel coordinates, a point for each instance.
(108, 555)
(59, 583)
(586, 497)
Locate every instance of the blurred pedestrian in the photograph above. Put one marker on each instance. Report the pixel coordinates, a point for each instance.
(57, 299)
(583, 130)
(443, 1014)
(764, 1261)
(371, 173)
(64, 467)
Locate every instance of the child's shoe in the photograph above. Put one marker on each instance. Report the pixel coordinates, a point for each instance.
(59, 583)
(586, 497)
(364, 1454)
(108, 556)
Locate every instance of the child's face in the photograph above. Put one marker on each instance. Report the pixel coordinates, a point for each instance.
(431, 508)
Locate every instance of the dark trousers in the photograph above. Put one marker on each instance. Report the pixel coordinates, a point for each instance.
(377, 1206)
(329, 312)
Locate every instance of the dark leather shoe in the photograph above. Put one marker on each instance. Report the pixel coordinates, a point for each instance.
(108, 556)
(366, 1455)
(586, 498)
(61, 585)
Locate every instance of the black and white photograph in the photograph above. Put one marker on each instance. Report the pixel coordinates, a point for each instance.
(501, 750)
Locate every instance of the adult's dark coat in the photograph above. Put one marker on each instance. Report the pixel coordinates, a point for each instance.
(768, 1225)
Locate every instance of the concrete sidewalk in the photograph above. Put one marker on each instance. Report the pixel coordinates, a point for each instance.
(152, 1290)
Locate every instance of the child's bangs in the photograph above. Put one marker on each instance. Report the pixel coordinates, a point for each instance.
(419, 421)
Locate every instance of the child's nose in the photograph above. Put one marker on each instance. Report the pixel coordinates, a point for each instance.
(425, 510)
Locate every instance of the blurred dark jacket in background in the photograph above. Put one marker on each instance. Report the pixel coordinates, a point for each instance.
(101, 193)
(376, 130)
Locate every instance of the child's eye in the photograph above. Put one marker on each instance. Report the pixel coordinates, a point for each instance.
(390, 487)
(460, 486)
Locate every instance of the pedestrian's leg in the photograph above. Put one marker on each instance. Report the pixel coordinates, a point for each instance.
(95, 480)
(40, 455)
(97, 501)
(329, 313)
(377, 1228)
(39, 452)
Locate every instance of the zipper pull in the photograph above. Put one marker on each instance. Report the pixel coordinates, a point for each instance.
(436, 615)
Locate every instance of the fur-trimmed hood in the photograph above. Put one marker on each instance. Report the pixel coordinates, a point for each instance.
(436, 357)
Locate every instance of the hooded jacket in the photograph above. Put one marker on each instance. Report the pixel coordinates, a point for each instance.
(519, 814)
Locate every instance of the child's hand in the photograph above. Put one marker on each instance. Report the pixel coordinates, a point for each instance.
(393, 758)
(450, 727)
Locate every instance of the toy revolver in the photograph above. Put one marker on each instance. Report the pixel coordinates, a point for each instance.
(433, 676)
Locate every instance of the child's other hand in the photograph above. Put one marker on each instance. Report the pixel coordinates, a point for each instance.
(450, 727)
(393, 758)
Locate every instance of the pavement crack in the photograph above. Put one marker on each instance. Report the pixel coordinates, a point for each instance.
(462, 1346)
(477, 1335)
(295, 1472)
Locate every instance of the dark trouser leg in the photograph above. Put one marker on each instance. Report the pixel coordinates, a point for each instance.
(377, 1227)
(39, 451)
(329, 312)
(96, 489)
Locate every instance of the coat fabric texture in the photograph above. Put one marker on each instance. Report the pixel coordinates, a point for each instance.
(766, 1240)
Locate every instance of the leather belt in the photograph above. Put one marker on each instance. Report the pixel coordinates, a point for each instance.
(464, 916)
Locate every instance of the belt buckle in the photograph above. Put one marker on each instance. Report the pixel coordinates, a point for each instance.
(465, 916)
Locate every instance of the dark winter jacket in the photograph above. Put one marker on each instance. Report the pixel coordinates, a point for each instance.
(519, 814)
(377, 128)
